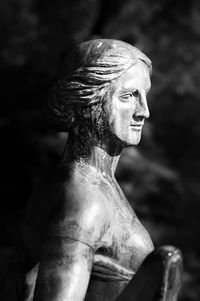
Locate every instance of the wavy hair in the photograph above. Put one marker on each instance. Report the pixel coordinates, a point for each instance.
(88, 72)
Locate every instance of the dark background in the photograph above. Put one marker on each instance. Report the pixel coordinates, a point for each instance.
(161, 176)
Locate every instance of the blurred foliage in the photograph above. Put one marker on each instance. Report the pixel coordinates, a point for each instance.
(161, 176)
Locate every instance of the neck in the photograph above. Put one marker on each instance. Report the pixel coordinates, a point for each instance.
(95, 155)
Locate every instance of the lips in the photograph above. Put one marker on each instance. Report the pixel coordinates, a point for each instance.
(137, 126)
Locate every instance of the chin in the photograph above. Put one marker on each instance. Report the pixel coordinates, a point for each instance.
(127, 140)
(131, 141)
(134, 139)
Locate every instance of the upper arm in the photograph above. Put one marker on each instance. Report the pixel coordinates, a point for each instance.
(73, 234)
(64, 271)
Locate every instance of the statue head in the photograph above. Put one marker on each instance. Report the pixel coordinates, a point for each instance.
(92, 73)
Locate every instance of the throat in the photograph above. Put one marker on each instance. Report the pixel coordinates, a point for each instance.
(102, 161)
(77, 151)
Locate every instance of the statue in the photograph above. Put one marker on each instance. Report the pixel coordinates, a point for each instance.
(81, 239)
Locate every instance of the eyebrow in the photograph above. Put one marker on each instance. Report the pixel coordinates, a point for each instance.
(125, 90)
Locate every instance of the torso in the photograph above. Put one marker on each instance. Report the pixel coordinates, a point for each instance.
(125, 240)
(128, 241)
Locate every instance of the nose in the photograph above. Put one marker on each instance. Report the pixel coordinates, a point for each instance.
(142, 109)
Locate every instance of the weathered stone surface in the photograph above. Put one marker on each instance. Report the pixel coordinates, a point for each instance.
(87, 242)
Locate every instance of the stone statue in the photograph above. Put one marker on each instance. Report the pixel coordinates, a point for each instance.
(81, 239)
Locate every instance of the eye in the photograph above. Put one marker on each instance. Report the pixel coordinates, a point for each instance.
(128, 96)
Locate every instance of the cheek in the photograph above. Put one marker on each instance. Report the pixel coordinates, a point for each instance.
(120, 118)
(125, 115)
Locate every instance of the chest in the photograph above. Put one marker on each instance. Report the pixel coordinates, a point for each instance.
(126, 240)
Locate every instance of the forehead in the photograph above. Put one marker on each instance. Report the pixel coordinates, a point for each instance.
(136, 77)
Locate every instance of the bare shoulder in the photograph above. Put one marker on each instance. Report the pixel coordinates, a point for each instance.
(81, 212)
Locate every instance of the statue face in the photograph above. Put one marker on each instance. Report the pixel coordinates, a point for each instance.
(128, 104)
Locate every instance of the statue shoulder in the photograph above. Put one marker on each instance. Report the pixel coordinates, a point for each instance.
(80, 214)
